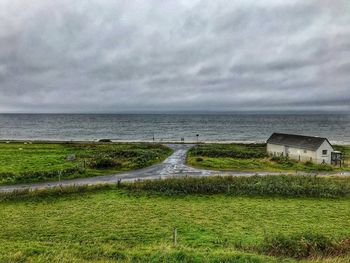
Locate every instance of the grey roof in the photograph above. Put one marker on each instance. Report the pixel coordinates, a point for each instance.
(297, 141)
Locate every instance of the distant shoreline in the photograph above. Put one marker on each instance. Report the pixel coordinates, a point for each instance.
(145, 141)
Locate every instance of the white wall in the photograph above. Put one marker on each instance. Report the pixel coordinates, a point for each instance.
(302, 155)
(293, 153)
(324, 157)
(274, 149)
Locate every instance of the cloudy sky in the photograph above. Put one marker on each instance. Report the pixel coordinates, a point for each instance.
(117, 56)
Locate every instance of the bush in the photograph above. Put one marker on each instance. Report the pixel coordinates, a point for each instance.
(104, 162)
(199, 159)
(284, 160)
(305, 246)
(143, 161)
(310, 166)
(105, 140)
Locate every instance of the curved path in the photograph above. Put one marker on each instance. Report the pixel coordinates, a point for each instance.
(174, 165)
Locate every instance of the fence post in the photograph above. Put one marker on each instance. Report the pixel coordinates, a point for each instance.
(174, 236)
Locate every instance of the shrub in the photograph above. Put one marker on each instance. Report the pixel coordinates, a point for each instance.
(104, 162)
(105, 140)
(305, 246)
(199, 159)
(284, 160)
(310, 166)
(143, 161)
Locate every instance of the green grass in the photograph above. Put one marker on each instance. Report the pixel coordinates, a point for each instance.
(252, 158)
(114, 224)
(30, 162)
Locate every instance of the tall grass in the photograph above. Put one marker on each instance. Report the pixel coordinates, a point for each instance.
(272, 185)
(276, 185)
(57, 191)
(229, 150)
(305, 245)
(37, 176)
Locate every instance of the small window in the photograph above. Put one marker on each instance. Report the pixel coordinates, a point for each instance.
(324, 152)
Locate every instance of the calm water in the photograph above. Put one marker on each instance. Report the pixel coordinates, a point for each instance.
(210, 127)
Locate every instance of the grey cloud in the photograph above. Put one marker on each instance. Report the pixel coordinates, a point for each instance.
(111, 56)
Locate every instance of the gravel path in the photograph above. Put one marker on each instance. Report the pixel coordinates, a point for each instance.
(174, 165)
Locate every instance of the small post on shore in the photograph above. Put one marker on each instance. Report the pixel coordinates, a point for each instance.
(119, 182)
(174, 236)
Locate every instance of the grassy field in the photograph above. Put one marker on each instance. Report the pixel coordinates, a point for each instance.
(29, 162)
(252, 158)
(109, 225)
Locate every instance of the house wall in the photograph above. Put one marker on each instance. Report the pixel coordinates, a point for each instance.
(324, 157)
(274, 149)
(293, 153)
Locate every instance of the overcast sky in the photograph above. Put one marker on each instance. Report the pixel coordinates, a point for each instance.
(116, 56)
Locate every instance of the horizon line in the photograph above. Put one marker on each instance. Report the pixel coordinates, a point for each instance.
(185, 112)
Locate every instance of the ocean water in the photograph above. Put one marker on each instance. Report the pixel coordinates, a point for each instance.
(247, 127)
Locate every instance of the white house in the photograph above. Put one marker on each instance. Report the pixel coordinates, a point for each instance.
(299, 147)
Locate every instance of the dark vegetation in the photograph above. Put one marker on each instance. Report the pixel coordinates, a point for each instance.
(105, 140)
(275, 185)
(243, 151)
(37, 176)
(53, 192)
(308, 245)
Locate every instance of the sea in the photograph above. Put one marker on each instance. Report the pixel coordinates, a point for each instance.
(166, 127)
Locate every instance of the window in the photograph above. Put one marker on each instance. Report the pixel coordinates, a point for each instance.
(324, 152)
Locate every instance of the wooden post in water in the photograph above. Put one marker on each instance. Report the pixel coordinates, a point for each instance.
(174, 236)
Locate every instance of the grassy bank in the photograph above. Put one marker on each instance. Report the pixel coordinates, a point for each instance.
(109, 224)
(22, 162)
(279, 185)
(252, 158)
(253, 186)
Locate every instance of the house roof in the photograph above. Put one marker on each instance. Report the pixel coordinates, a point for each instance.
(297, 141)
